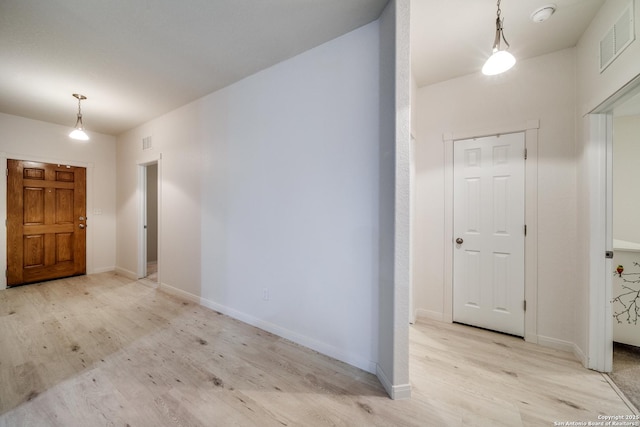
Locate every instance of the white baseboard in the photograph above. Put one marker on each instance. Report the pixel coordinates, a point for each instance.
(126, 273)
(429, 314)
(556, 344)
(579, 354)
(102, 270)
(396, 392)
(179, 293)
(295, 337)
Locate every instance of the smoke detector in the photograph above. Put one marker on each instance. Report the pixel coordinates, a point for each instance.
(543, 13)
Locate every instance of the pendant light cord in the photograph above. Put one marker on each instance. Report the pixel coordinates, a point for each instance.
(499, 32)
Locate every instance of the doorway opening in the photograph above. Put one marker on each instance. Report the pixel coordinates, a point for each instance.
(616, 128)
(149, 235)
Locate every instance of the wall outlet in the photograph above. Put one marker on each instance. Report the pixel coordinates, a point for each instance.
(265, 294)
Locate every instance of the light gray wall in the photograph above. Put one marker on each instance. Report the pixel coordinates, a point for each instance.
(273, 184)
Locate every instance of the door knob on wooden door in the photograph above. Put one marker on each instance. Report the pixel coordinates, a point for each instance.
(81, 225)
(459, 241)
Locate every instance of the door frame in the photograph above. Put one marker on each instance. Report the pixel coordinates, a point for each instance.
(142, 216)
(530, 129)
(4, 156)
(599, 172)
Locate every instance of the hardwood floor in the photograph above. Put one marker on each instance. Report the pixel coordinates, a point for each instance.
(105, 350)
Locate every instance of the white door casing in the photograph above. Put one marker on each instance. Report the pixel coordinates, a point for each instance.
(489, 212)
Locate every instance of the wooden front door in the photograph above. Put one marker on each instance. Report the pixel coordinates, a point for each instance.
(46, 221)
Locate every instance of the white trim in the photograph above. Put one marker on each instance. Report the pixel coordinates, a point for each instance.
(395, 392)
(104, 270)
(126, 273)
(530, 129)
(600, 345)
(579, 354)
(429, 314)
(90, 240)
(556, 344)
(531, 240)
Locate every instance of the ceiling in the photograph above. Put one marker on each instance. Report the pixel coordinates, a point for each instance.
(457, 35)
(138, 59)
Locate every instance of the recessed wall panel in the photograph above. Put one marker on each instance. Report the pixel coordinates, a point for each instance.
(472, 211)
(501, 289)
(472, 158)
(473, 264)
(500, 205)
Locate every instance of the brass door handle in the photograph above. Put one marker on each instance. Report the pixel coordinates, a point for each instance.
(81, 225)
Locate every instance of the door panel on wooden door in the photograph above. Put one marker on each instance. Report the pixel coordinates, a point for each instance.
(488, 259)
(46, 221)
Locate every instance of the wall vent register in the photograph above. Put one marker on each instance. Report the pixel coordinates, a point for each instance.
(617, 38)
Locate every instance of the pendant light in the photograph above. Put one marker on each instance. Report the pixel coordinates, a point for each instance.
(78, 132)
(501, 60)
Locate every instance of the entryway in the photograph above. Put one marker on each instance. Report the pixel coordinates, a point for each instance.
(626, 247)
(615, 279)
(489, 232)
(46, 221)
(149, 236)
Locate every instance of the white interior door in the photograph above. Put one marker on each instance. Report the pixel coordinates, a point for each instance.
(488, 225)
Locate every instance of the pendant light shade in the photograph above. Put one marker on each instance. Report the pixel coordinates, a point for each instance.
(78, 131)
(500, 60)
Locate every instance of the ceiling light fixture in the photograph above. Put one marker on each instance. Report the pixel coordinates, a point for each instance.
(500, 60)
(78, 132)
(544, 13)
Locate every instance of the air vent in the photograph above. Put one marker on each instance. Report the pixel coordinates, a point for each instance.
(146, 143)
(617, 38)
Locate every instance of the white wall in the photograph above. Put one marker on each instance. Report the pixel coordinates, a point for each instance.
(541, 88)
(626, 176)
(595, 86)
(394, 206)
(40, 141)
(272, 183)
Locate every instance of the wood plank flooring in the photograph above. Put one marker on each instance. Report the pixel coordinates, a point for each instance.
(102, 350)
